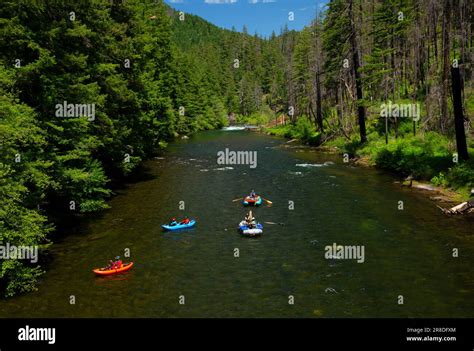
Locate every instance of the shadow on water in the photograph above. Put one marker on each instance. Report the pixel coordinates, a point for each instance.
(70, 223)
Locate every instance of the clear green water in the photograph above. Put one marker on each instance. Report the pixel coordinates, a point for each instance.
(407, 252)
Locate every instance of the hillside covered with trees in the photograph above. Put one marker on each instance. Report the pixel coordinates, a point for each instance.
(91, 88)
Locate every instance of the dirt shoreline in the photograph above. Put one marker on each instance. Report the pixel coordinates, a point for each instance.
(436, 193)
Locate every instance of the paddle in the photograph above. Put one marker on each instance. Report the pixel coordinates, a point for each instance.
(268, 201)
(239, 199)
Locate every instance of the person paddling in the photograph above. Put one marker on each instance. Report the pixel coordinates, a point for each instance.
(253, 195)
(114, 264)
(253, 223)
(109, 266)
(248, 217)
(250, 220)
(117, 263)
(173, 221)
(185, 220)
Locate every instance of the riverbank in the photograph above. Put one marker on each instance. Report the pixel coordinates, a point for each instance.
(425, 159)
(439, 194)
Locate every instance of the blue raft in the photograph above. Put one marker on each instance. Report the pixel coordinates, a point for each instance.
(245, 230)
(179, 226)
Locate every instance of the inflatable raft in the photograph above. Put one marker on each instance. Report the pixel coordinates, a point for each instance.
(179, 226)
(245, 230)
(256, 201)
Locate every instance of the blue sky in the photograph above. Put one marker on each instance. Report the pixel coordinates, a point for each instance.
(260, 16)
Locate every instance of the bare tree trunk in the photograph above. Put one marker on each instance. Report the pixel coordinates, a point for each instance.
(338, 107)
(358, 83)
(458, 114)
(435, 33)
(446, 64)
(319, 113)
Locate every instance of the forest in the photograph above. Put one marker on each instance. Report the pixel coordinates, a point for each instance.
(90, 89)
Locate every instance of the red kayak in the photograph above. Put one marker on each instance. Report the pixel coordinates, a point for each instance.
(103, 271)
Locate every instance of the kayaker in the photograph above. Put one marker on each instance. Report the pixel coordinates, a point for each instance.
(173, 221)
(185, 220)
(249, 217)
(114, 264)
(252, 194)
(118, 262)
(110, 266)
(253, 222)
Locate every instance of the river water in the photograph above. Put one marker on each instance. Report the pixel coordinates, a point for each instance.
(406, 252)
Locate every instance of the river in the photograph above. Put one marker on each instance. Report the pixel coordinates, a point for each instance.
(406, 252)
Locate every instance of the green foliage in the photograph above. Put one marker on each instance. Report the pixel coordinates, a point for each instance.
(303, 129)
(337, 30)
(351, 147)
(259, 118)
(422, 156)
(285, 131)
(18, 278)
(440, 179)
(86, 186)
(461, 176)
(23, 183)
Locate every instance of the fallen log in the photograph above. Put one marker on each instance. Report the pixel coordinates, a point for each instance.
(465, 207)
